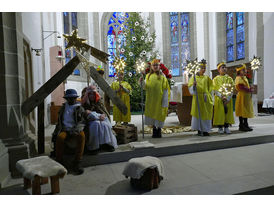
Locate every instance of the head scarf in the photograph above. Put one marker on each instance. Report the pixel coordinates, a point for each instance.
(91, 90)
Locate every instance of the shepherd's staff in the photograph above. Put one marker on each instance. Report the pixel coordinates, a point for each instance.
(140, 68)
(193, 67)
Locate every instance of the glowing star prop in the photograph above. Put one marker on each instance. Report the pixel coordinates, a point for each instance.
(80, 45)
(119, 64)
(192, 67)
(226, 90)
(255, 63)
(140, 65)
(75, 41)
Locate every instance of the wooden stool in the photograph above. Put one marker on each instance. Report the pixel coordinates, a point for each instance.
(36, 172)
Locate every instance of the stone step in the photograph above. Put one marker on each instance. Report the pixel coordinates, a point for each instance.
(173, 149)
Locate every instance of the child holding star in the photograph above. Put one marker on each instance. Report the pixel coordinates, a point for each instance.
(223, 105)
(243, 105)
(204, 86)
(123, 90)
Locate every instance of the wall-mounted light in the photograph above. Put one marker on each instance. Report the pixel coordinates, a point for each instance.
(51, 33)
(37, 51)
(60, 54)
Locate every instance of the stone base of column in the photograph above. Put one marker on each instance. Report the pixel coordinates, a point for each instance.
(4, 164)
(23, 149)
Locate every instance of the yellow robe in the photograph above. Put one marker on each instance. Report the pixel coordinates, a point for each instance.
(154, 93)
(243, 105)
(118, 116)
(204, 88)
(220, 118)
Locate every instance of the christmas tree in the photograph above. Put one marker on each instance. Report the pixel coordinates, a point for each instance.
(137, 42)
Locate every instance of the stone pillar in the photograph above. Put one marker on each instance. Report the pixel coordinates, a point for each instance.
(12, 84)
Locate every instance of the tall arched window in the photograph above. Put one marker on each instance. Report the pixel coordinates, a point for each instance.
(179, 41)
(235, 28)
(70, 24)
(240, 35)
(115, 32)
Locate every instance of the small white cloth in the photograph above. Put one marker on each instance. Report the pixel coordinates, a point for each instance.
(42, 166)
(136, 167)
(176, 94)
(138, 145)
(268, 103)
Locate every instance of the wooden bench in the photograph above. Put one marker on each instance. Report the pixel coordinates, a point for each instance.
(36, 172)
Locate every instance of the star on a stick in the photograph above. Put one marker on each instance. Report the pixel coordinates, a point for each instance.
(80, 45)
(75, 41)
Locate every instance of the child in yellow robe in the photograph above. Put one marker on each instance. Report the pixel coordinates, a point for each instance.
(223, 105)
(243, 105)
(204, 87)
(156, 104)
(123, 90)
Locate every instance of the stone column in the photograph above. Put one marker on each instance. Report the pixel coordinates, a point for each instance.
(12, 84)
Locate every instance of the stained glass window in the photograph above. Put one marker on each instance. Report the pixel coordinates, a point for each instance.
(229, 20)
(230, 53)
(240, 18)
(179, 41)
(67, 54)
(235, 30)
(175, 61)
(229, 37)
(74, 20)
(240, 36)
(185, 38)
(70, 23)
(240, 50)
(115, 32)
(66, 22)
(174, 31)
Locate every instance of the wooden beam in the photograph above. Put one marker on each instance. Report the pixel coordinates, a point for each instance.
(41, 128)
(38, 97)
(107, 89)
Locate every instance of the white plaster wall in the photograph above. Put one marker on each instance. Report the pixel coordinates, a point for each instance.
(90, 28)
(78, 86)
(200, 35)
(212, 40)
(31, 23)
(159, 34)
(268, 60)
(252, 37)
(100, 29)
(31, 26)
(252, 47)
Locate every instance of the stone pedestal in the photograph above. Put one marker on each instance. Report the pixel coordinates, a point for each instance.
(4, 164)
